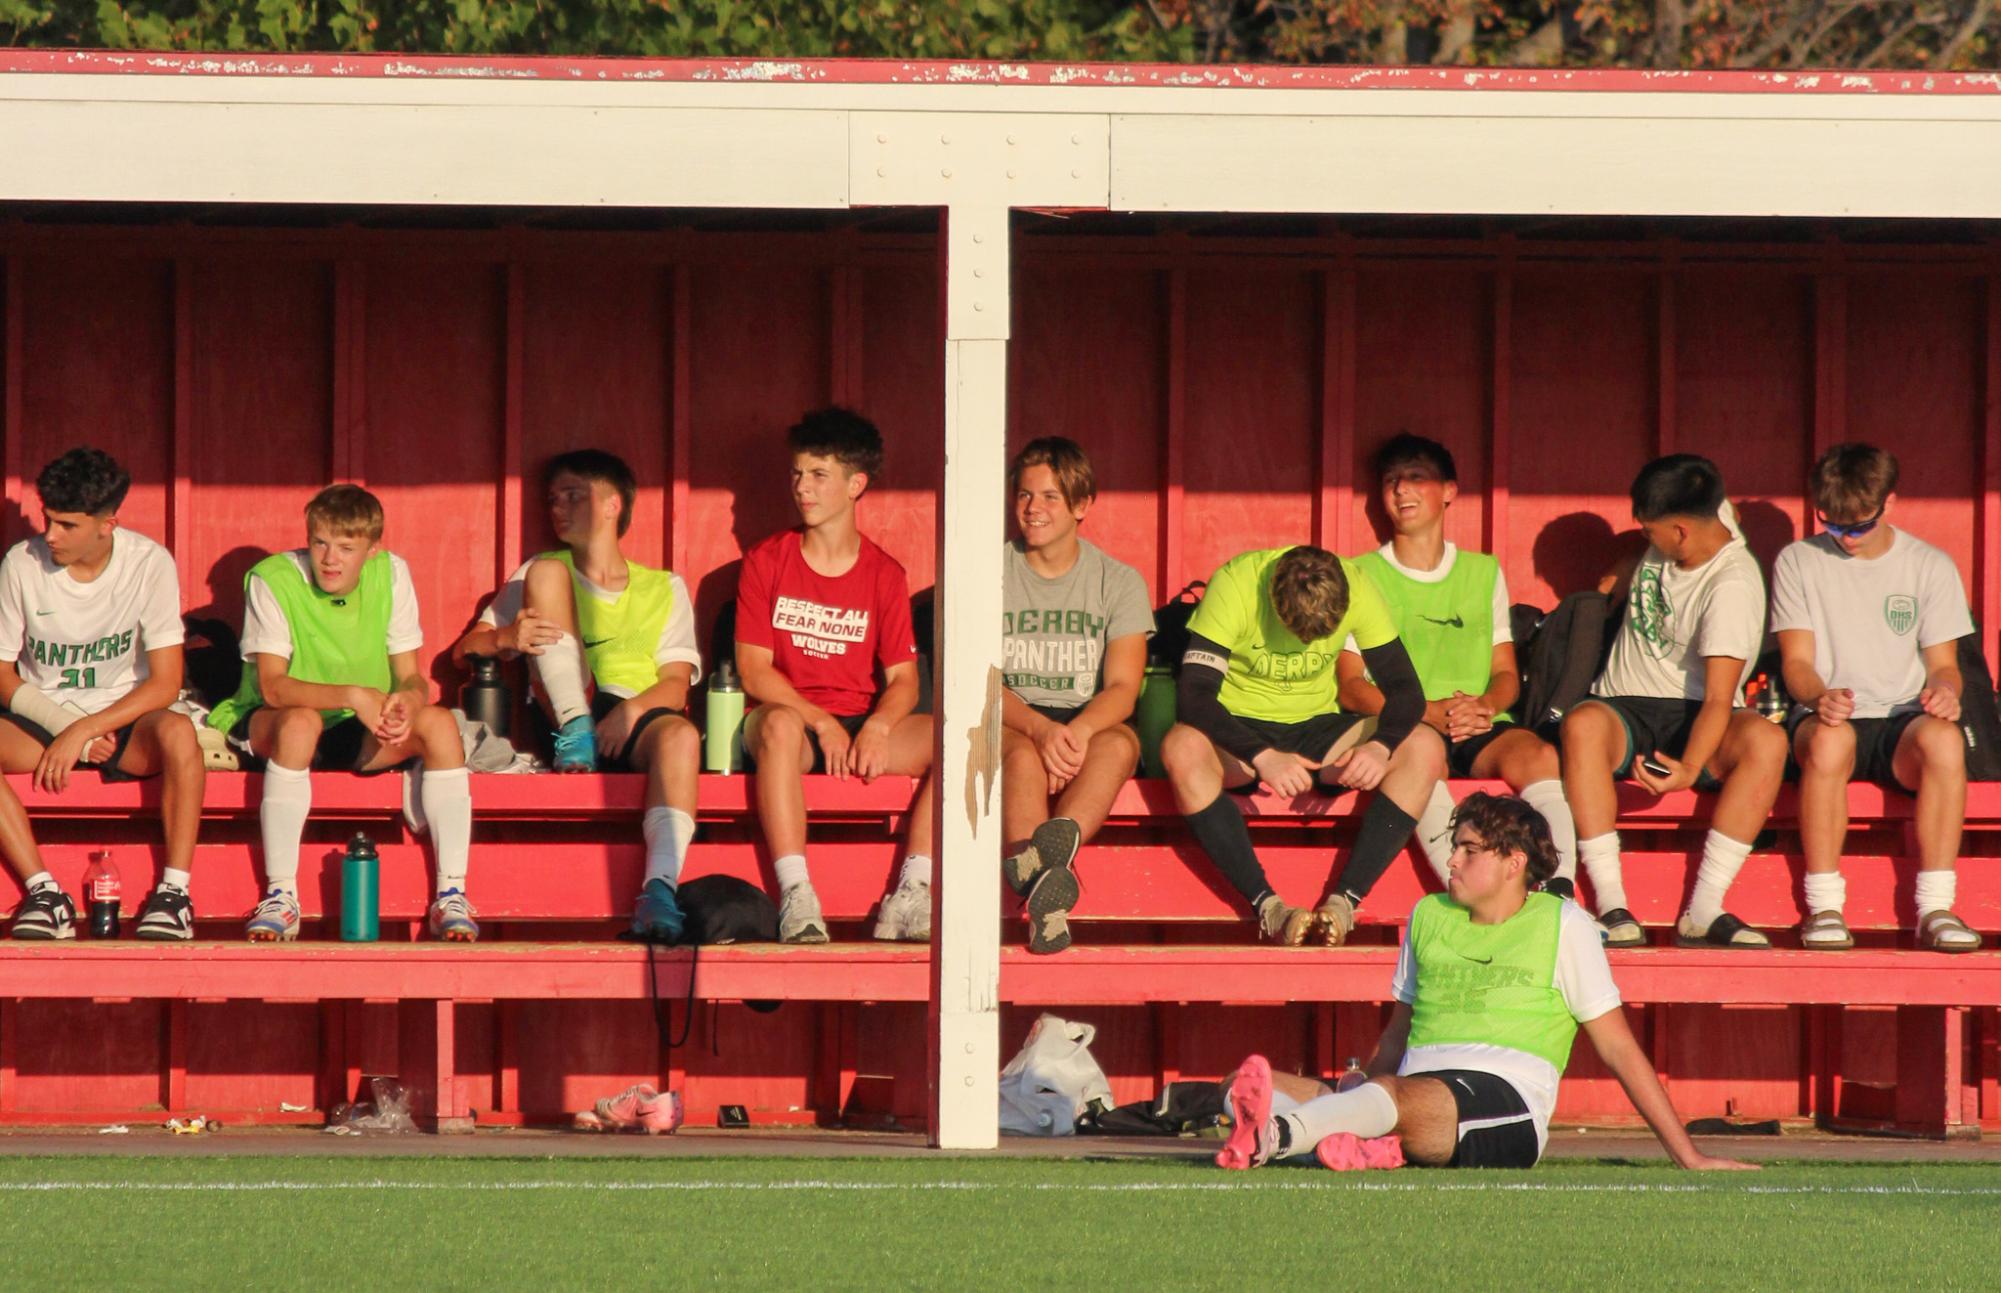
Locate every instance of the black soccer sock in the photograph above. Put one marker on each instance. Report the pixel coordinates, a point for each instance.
(1384, 831)
(1223, 835)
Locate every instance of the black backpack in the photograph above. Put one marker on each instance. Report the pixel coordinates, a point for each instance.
(1979, 717)
(1170, 627)
(1565, 655)
(724, 909)
(214, 664)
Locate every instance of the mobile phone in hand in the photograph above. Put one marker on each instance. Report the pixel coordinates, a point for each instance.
(1656, 767)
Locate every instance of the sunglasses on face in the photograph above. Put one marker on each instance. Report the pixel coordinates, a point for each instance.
(1853, 531)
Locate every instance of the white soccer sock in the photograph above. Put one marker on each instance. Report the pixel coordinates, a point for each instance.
(1434, 830)
(1722, 859)
(1282, 1104)
(281, 819)
(1827, 891)
(1367, 1111)
(174, 878)
(446, 794)
(1936, 890)
(791, 871)
(667, 832)
(1546, 797)
(42, 880)
(560, 669)
(916, 870)
(1600, 858)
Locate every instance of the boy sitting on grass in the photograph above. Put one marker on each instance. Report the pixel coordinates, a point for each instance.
(611, 646)
(330, 680)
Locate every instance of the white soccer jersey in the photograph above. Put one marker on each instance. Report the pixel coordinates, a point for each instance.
(85, 644)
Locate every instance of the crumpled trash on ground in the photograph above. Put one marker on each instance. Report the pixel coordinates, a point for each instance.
(115, 1129)
(388, 1111)
(639, 1109)
(194, 1126)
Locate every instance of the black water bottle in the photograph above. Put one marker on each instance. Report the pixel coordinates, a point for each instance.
(485, 697)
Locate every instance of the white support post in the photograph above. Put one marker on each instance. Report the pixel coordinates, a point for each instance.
(965, 963)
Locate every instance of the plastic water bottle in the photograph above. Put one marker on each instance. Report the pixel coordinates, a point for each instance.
(360, 891)
(102, 891)
(1153, 715)
(723, 722)
(485, 697)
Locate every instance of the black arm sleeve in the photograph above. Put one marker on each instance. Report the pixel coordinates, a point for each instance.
(1197, 702)
(1403, 695)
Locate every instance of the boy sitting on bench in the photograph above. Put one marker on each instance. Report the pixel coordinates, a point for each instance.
(330, 681)
(1869, 620)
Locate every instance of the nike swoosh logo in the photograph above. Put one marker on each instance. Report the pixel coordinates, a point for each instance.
(588, 644)
(1479, 960)
(1456, 622)
(45, 612)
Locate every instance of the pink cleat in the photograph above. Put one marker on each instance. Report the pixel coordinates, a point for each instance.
(1342, 1152)
(636, 1109)
(1252, 1139)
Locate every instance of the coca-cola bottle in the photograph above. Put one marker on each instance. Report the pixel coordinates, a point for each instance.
(102, 891)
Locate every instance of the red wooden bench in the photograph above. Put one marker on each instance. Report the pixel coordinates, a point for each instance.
(557, 860)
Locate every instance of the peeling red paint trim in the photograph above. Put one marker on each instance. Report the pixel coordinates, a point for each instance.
(949, 72)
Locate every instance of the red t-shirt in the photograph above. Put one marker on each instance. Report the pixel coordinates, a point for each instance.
(825, 635)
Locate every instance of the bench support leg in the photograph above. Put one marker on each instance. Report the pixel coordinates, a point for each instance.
(1931, 1085)
(427, 1043)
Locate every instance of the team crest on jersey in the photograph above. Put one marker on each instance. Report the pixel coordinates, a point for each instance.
(1900, 611)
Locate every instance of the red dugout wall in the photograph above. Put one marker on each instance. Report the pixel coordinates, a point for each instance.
(1230, 383)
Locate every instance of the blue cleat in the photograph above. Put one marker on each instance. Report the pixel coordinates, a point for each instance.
(577, 745)
(657, 916)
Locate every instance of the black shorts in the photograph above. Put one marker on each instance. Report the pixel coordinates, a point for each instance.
(1653, 723)
(601, 706)
(338, 749)
(1460, 756)
(107, 770)
(1311, 738)
(1875, 744)
(1064, 713)
(1496, 1128)
(850, 723)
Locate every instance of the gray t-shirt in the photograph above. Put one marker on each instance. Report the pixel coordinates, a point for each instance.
(1054, 631)
(1870, 620)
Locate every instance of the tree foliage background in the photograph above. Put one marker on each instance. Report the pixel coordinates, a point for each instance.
(1930, 34)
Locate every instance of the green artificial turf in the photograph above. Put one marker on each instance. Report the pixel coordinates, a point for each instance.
(327, 1224)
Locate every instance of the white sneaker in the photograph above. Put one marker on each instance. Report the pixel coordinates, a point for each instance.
(905, 916)
(275, 919)
(799, 918)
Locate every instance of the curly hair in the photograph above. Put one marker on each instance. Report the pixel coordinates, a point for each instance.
(1507, 824)
(83, 480)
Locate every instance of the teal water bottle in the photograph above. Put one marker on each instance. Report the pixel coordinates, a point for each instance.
(1153, 715)
(723, 722)
(360, 891)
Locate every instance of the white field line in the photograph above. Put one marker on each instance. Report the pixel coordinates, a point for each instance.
(1130, 1187)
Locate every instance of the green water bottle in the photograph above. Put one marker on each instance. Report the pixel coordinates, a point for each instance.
(723, 731)
(360, 891)
(1153, 715)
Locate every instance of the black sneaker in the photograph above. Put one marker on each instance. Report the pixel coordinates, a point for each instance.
(45, 916)
(167, 916)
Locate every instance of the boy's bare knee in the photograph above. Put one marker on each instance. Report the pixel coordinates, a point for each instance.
(1184, 751)
(1827, 749)
(779, 732)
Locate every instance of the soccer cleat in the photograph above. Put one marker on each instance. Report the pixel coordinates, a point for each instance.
(1281, 924)
(1056, 891)
(799, 918)
(167, 916)
(46, 915)
(577, 746)
(1335, 919)
(638, 1108)
(451, 918)
(1053, 844)
(274, 920)
(905, 916)
(657, 916)
(1253, 1136)
(1345, 1152)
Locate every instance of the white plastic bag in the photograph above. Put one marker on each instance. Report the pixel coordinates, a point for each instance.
(1052, 1080)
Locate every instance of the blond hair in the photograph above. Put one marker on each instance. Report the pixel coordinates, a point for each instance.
(347, 511)
(1309, 590)
(1066, 459)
